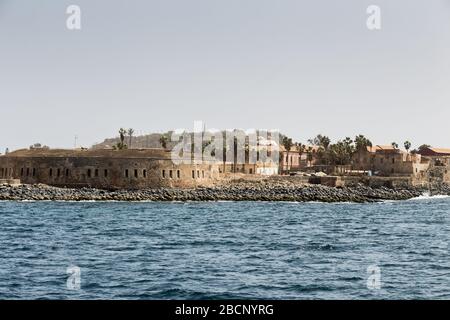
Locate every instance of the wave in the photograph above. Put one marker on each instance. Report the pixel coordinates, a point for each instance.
(428, 196)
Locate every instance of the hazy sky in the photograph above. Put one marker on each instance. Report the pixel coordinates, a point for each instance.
(305, 67)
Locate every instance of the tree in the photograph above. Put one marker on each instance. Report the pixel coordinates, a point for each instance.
(341, 152)
(130, 135)
(394, 145)
(287, 144)
(362, 143)
(309, 156)
(407, 145)
(121, 145)
(301, 150)
(163, 141)
(423, 147)
(321, 141)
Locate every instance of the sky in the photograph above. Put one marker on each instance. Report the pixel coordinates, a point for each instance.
(304, 67)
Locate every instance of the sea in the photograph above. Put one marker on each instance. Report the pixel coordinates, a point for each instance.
(225, 250)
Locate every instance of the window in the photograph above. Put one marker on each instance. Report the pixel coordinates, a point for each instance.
(251, 171)
(67, 172)
(58, 172)
(28, 172)
(178, 174)
(393, 160)
(198, 173)
(135, 173)
(96, 172)
(193, 174)
(1, 172)
(89, 173)
(170, 174)
(105, 173)
(144, 172)
(203, 174)
(50, 173)
(21, 172)
(34, 172)
(164, 173)
(126, 173)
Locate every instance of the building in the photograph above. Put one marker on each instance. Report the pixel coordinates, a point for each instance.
(104, 169)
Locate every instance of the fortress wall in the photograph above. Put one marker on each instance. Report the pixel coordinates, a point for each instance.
(106, 172)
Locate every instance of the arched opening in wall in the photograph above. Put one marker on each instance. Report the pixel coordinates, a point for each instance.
(34, 172)
(96, 173)
(144, 173)
(170, 174)
(393, 160)
(58, 173)
(126, 173)
(106, 173)
(198, 174)
(50, 172)
(21, 171)
(89, 173)
(178, 174)
(28, 172)
(1, 172)
(67, 172)
(163, 174)
(193, 174)
(250, 171)
(135, 173)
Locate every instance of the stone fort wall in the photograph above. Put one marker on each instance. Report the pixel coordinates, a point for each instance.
(104, 169)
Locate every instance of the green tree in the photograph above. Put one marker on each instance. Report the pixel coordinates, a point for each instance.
(121, 144)
(163, 141)
(362, 143)
(130, 136)
(394, 145)
(407, 145)
(287, 144)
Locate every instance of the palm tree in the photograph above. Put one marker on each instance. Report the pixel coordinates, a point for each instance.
(287, 144)
(130, 135)
(310, 155)
(407, 146)
(163, 141)
(121, 145)
(394, 145)
(362, 143)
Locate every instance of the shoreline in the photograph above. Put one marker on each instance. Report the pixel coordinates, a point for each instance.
(237, 191)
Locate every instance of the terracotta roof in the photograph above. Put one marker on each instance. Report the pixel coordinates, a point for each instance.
(440, 150)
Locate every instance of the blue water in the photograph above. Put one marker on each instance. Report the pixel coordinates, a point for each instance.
(225, 250)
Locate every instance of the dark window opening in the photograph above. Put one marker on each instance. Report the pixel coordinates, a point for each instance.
(21, 171)
(198, 174)
(50, 173)
(126, 173)
(106, 173)
(28, 172)
(67, 172)
(193, 174)
(96, 172)
(178, 174)
(203, 174)
(89, 173)
(164, 173)
(170, 174)
(34, 172)
(251, 171)
(135, 173)
(58, 172)
(144, 173)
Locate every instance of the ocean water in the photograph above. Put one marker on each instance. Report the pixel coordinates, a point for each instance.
(224, 250)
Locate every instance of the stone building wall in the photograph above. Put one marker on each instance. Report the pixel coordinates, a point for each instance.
(128, 170)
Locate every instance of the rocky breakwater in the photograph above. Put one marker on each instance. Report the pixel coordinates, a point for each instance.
(265, 190)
